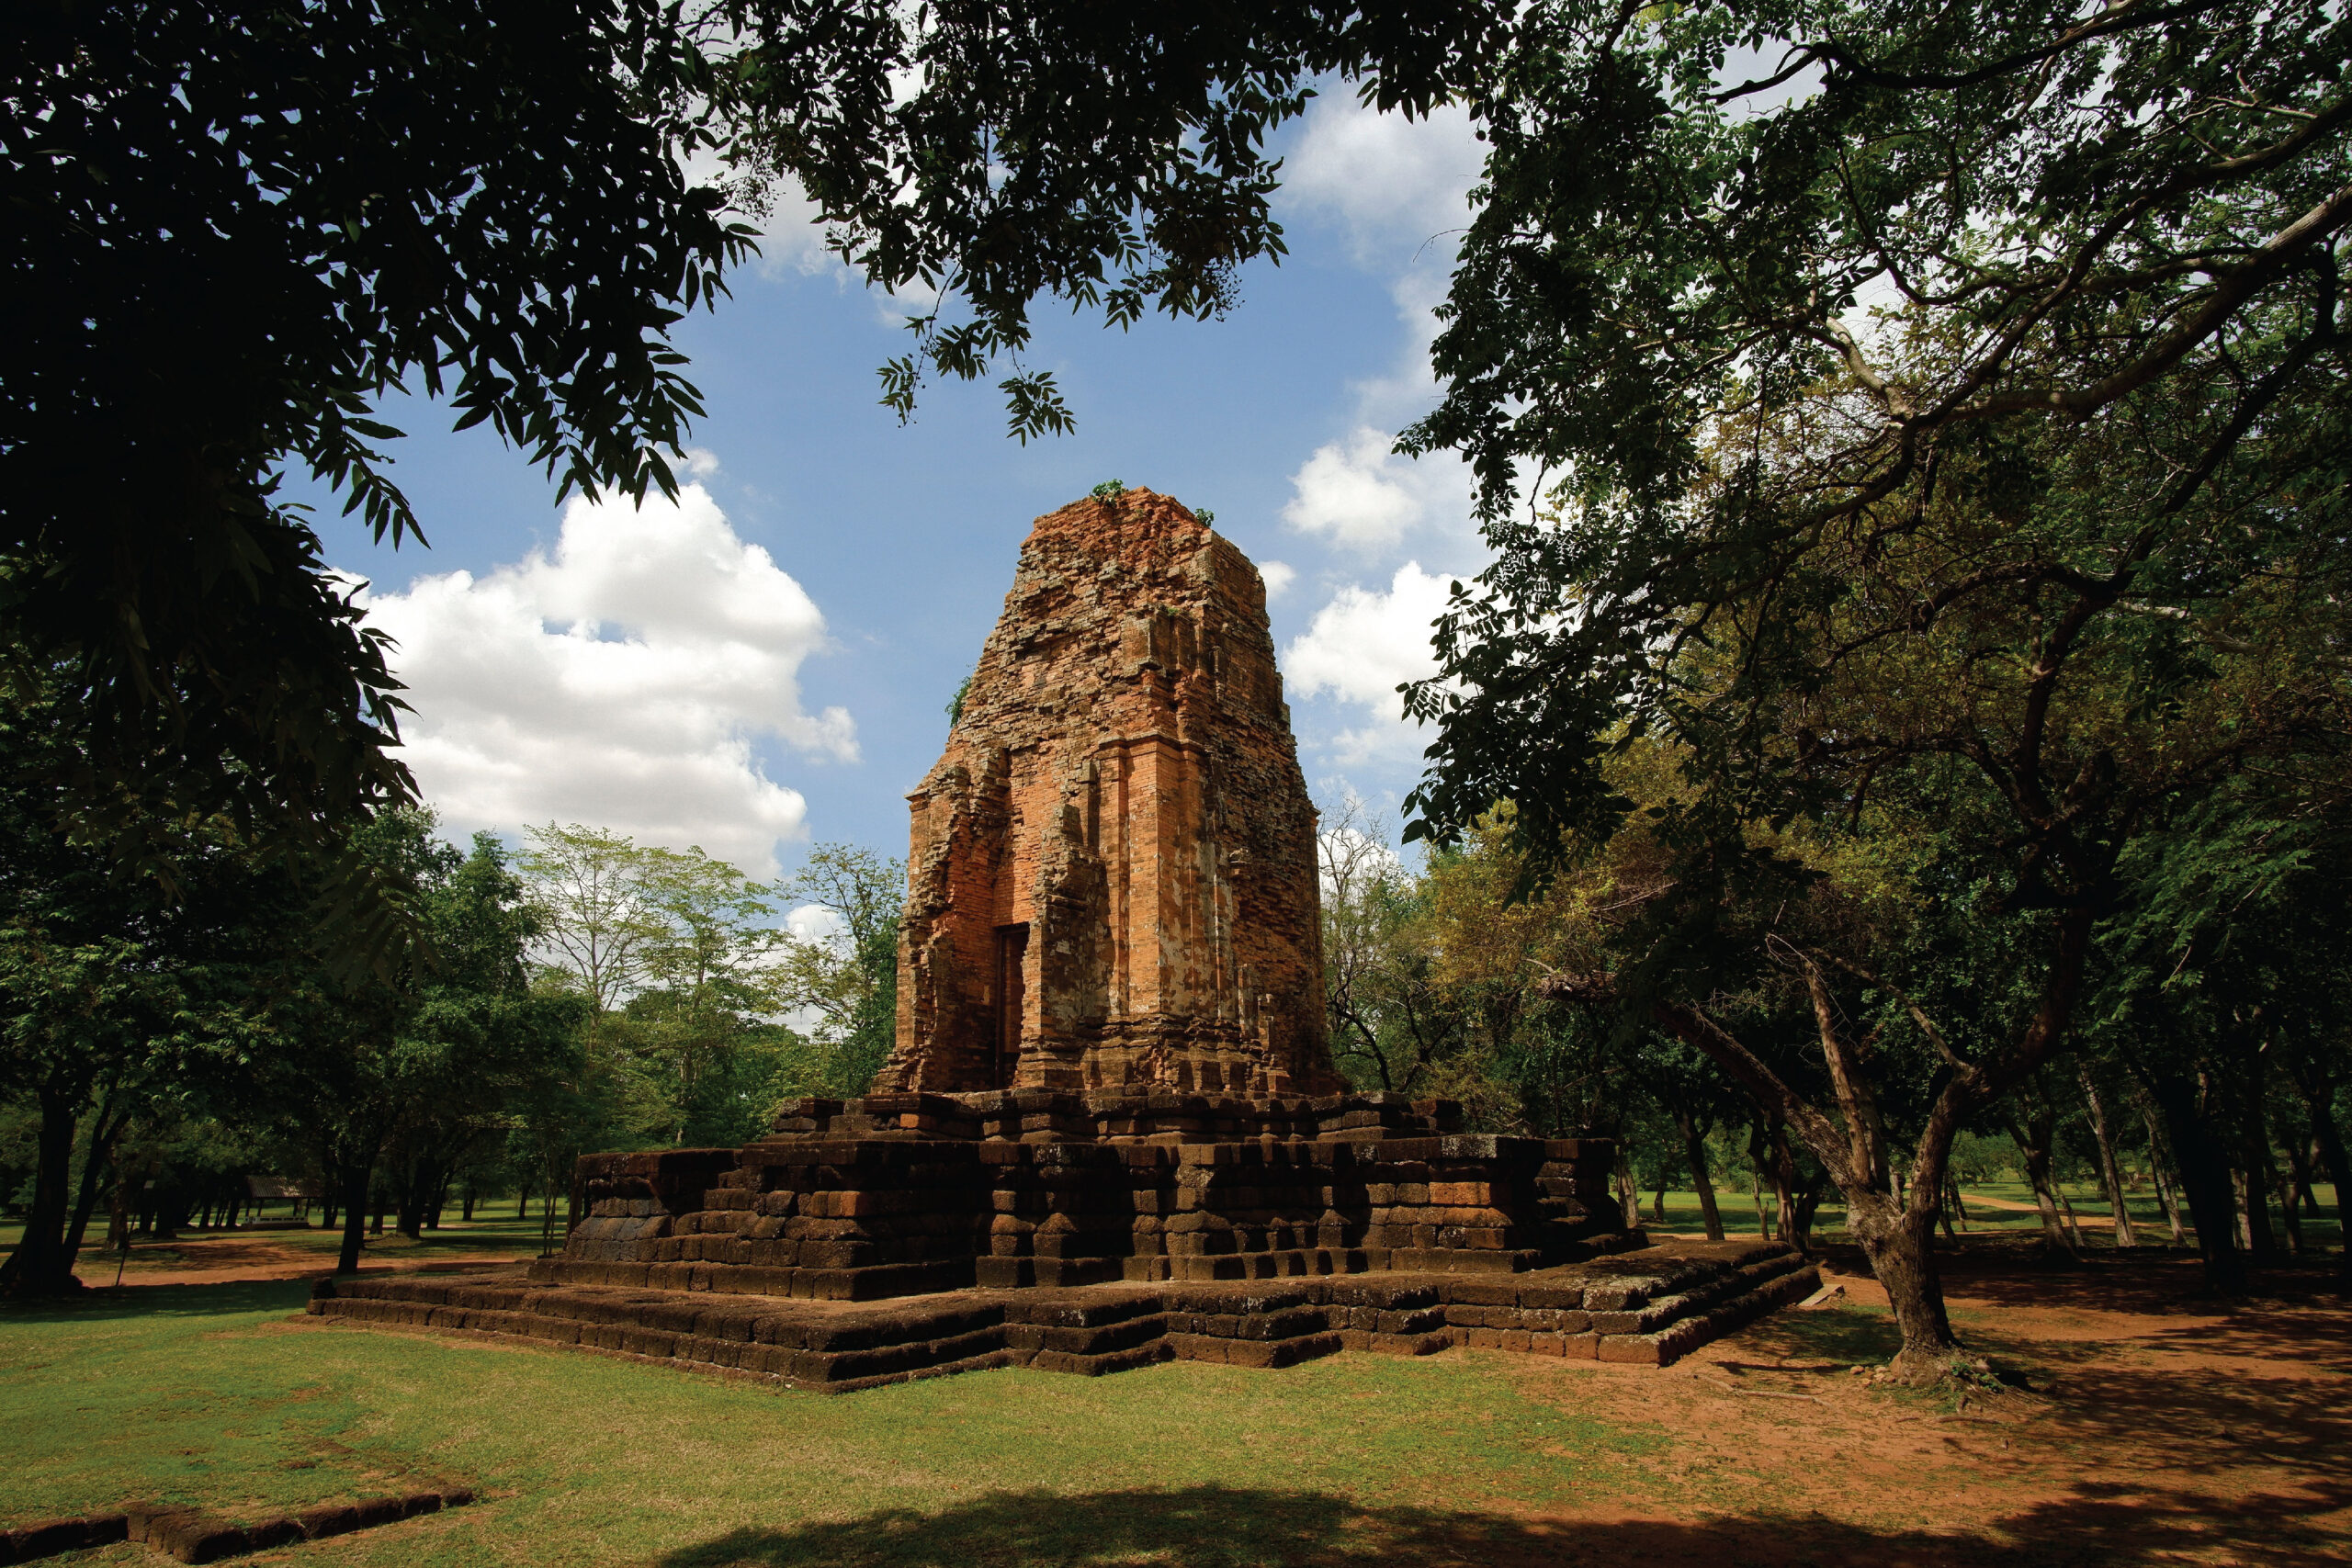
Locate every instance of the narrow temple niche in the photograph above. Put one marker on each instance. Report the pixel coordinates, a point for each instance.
(1012, 953)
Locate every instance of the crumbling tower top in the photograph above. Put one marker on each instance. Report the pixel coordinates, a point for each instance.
(1112, 870)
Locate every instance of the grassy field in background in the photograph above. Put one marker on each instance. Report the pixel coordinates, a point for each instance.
(1738, 1210)
(208, 1394)
(497, 1231)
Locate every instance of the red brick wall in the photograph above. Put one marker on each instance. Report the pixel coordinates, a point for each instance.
(1124, 780)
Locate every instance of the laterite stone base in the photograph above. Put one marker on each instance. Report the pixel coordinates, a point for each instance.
(1649, 1306)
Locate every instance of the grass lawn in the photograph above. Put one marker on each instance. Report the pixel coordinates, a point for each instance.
(2180, 1420)
(208, 1394)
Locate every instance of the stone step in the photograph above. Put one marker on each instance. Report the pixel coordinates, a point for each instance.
(1647, 1308)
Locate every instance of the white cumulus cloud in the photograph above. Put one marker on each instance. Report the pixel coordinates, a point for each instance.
(1398, 187)
(1358, 493)
(1362, 646)
(622, 679)
(1278, 576)
(1397, 191)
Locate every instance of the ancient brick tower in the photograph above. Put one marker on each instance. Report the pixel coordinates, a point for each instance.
(1111, 874)
(1111, 1121)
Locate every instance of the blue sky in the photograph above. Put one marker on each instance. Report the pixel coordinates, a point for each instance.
(767, 665)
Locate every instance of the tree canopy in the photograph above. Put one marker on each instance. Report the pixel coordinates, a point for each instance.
(238, 227)
(1922, 420)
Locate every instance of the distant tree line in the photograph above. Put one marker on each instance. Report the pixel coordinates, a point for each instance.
(585, 993)
(1441, 982)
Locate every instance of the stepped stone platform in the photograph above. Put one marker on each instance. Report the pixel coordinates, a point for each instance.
(1646, 1304)
(898, 1235)
(910, 1194)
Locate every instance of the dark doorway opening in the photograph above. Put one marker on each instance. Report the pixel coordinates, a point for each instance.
(1011, 947)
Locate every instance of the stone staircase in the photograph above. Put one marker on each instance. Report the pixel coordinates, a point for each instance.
(1650, 1306)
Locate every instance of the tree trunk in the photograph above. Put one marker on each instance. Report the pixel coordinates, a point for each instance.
(1808, 1205)
(2332, 1156)
(2031, 1133)
(2261, 1174)
(2167, 1189)
(2299, 1174)
(355, 1215)
(106, 1131)
(1629, 1197)
(1900, 1245)
(2111, 1171)
(1694, 1151)
(119, 1225)
(1900, 1242)
(2168, 1194)
(2292, 1220)
(2204, 1170)
(41, 1266)
(412, 1177)
(1784, 1190)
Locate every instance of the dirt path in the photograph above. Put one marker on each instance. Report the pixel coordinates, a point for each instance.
(2167, 1428)
(1978, 1200)
(233, 1259)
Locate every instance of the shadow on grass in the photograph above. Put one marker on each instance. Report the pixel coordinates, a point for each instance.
(1218, 1527)
(104, 1303)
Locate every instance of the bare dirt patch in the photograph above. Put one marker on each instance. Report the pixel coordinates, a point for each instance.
(2154, 1424)
(233, 1259)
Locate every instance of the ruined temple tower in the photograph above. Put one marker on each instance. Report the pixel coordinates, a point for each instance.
(1112, 871)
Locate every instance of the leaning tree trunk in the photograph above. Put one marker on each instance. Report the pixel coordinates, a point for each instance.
(2032, 1133)
(2111, 1171)
(1694, 1151)
(105, 1136)
(1898, 1237)
(2167, 1189)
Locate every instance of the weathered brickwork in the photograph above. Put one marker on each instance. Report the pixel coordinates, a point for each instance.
(902, 1195)
(1111, 871)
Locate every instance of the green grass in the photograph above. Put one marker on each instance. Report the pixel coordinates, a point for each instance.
(209, 1396)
